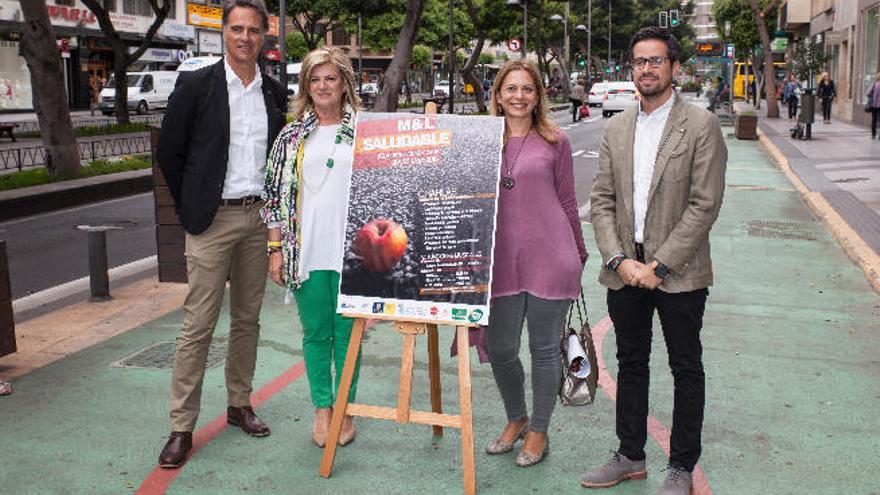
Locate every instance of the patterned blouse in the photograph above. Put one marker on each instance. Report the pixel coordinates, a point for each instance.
(283, 181)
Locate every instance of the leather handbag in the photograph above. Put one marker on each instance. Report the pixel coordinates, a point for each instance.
(580, 367)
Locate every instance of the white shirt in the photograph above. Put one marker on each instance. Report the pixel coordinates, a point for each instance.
(649, 131)
(324, 201)
(248, 135)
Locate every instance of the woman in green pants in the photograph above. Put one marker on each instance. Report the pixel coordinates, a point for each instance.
(306, 193)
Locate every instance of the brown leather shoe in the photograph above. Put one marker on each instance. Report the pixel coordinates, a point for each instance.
(176, 449)
(247, 420)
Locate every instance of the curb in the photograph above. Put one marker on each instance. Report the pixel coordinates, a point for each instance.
(28, 201)
(852, 243)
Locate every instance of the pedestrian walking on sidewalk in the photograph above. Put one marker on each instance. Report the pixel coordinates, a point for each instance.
(94, 93)
(577, 99)
(826, 92)
(790, 95)
(873, 105)
(656, 195)
(537, 189)
(306, 192)
(212, 150)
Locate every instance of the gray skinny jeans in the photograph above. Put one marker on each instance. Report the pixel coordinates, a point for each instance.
(545, 319)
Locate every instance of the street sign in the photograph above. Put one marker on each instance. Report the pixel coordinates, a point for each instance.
(513, 44)
(729, 51)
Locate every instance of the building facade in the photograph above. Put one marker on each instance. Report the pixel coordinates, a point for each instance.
(84, 50)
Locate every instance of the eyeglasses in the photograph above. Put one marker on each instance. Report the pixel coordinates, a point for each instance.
(641, 62)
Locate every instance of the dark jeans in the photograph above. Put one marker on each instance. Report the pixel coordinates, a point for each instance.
(575, 110)
(826, 108)
(681, 317)
(792, 107)
(875, 117)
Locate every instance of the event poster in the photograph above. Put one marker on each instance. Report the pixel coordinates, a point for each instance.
(421, 217)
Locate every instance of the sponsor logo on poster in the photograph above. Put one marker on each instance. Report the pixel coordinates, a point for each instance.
(390, 309)
(378, 307)
(459, 313)
(475, 315)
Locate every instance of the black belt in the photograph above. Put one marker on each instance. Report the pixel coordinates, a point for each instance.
(640, 252)
(245, 201)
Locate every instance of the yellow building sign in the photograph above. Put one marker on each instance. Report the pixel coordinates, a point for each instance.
(202, 15)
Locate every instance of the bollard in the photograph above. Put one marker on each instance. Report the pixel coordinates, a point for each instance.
(99, 279)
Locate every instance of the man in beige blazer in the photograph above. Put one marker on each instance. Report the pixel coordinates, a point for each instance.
(656, 194)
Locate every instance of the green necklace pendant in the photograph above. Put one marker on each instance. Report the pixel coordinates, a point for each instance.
(330, 163)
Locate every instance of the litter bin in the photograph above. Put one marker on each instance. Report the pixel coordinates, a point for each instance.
(808, 107)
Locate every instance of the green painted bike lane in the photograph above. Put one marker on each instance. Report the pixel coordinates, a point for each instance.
(790, 340)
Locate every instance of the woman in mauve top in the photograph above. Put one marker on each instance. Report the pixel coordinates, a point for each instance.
(539, 256)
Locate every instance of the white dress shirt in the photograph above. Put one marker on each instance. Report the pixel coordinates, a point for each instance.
(649, 131)
(248, 135)
(324, 201)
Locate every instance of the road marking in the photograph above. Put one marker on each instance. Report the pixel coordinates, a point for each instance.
(53, 294)
(576, 153)
(160, 479)
(658, 432)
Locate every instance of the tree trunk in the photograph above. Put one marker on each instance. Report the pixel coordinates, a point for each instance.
(769, 73)
(50, 97)
(120, 75)
(759, 80)
(467, 73)
(386, 100)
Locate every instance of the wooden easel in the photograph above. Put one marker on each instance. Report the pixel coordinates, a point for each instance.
(402, 413)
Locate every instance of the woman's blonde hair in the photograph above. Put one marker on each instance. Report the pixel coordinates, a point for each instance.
(325, 55)
(541, 123)
(878, 76)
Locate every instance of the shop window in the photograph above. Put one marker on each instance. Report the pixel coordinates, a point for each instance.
(68, 3)
(137, 7)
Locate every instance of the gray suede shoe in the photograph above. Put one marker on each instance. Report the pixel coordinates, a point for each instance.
(678, 482)
(617, 469)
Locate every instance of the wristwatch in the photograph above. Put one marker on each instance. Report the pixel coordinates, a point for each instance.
(615, 262)
(660, 271)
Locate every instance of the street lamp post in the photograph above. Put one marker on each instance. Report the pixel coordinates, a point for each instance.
(525, 8)
(566, 55)
(609, 36)
(282, 44)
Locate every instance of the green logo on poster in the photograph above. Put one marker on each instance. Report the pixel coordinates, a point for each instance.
(459, 313)
(475, 315)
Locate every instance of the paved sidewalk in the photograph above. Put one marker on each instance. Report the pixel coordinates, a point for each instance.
(839, 171)
(790, 345)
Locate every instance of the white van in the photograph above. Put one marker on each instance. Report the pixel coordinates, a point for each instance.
(146, 91)
(293, 71)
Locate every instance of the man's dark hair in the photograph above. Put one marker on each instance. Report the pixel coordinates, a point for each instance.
(673, 47)
(257, 5)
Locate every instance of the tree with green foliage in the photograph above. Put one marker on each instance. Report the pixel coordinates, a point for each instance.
(313, 19)
(743, 35)
(296, 45)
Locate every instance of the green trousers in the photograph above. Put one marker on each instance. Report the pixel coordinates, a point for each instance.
(325, 336)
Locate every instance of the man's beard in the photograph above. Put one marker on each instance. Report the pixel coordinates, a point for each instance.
(658, 88)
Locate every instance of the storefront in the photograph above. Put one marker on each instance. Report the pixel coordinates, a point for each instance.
(869, 41)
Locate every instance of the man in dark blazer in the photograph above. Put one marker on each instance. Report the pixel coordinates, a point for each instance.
(220, 123)
(656, 195)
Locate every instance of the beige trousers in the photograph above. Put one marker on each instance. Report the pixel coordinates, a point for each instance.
(233, 248)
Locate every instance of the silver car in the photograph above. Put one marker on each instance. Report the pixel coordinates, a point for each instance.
(618, 97)
(596, 94)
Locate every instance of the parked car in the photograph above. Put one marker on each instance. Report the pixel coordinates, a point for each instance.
(146, 90)
(618, 97)
(369, 89)
(597, 94)
(441, 88)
